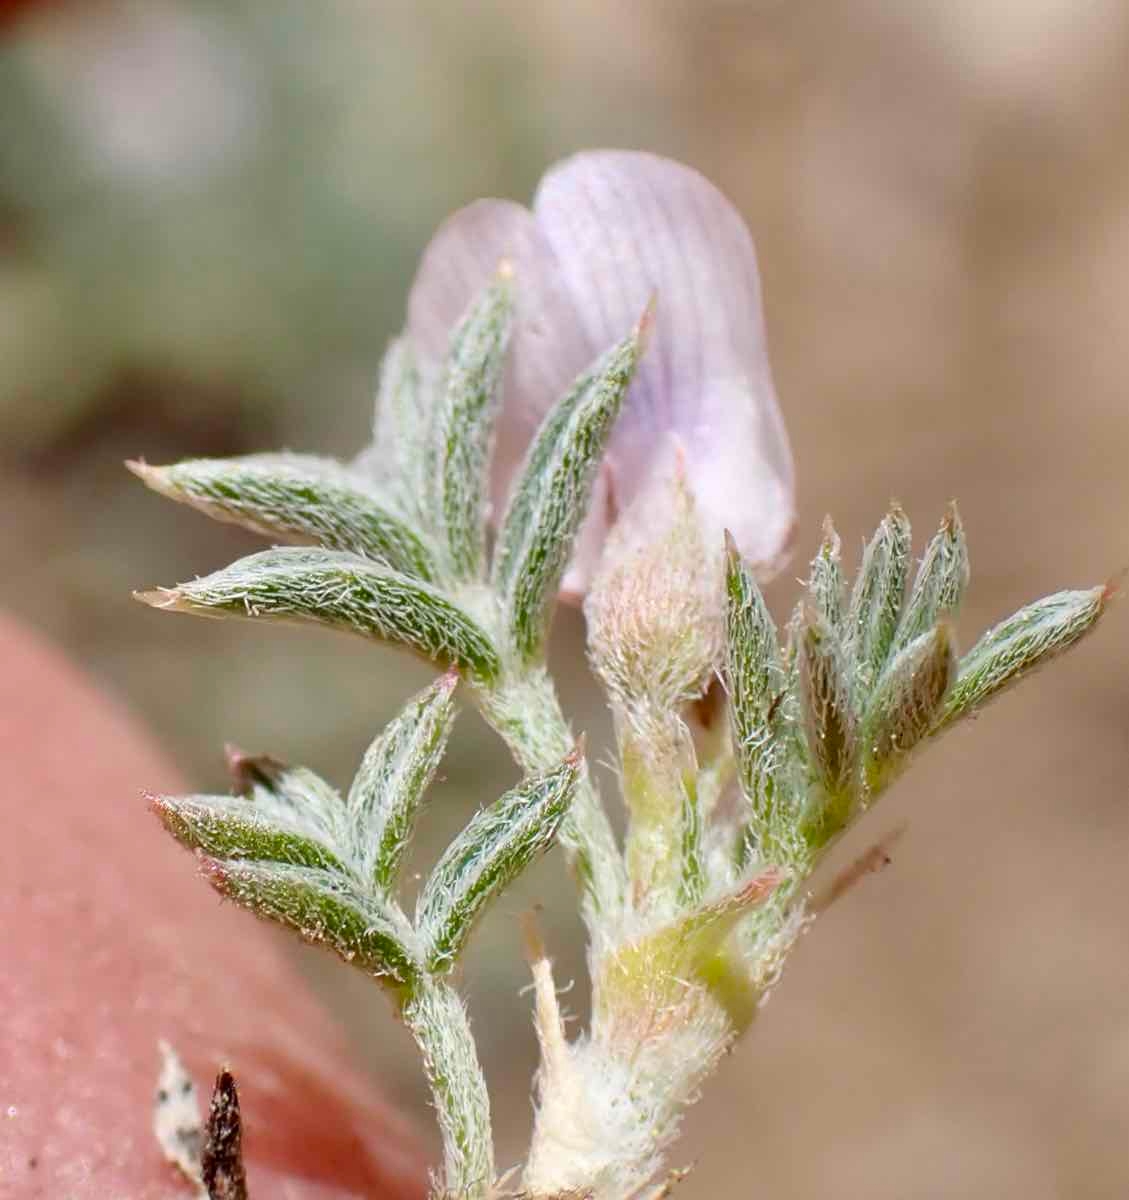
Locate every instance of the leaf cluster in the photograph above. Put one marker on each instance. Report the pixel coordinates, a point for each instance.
(823, 721)
(394, 545)
(291, 848)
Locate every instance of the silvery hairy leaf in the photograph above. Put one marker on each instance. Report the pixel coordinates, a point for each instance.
(876, 600)
(394, 774)
(235, 827)
(551, 495)
(496, 846)
(1026, 640)
(299, 498)
(397, 458)
(756, 681)
(825, 583)
(938, 587)
(906, 703)
(464, 426)
(325, 907)
(343, 591)
(830, 721)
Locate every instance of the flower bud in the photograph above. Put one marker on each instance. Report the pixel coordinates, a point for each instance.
(655, 609)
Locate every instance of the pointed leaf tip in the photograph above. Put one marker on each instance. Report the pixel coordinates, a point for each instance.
(166, 598)
(1114, 587)
(644, 327)
(138, 467)
(154, 476)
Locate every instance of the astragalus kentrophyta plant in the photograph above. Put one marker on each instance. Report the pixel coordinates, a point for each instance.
(581, 404)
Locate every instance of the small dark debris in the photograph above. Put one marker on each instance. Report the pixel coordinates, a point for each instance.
(222, 1160)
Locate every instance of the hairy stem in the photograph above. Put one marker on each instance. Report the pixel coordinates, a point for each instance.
(663, 853)
(438, 1022)
(524, 710)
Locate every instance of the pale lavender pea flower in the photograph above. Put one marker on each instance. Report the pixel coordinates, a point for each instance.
(608, 230)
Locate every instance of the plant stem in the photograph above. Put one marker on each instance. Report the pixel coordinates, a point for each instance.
(663, 848)
(524, 710)
(438, 1022)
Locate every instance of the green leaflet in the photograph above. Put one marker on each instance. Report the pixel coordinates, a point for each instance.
(876, 601)
(235, 828)
(830, 723)
(940, 582)
(905, 705)
(343, 591)
(298, 497)
(756, 681)
(325, 908)
(464, 429)
(394, 774)
(550, 498)
(397, 458)
(1024, 641)
(825, 583)
(497, 845)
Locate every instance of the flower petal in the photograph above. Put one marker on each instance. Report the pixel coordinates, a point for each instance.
(739, 467)
(547, 346)
(625, 225)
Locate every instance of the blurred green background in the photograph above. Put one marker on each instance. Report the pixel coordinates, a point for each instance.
(209, 218)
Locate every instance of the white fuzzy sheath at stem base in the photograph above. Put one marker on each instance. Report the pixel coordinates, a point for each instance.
(610, 1103)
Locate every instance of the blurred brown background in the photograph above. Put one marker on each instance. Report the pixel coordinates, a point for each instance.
(209, 216)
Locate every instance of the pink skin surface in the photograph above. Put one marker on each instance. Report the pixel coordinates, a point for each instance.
(110, 942)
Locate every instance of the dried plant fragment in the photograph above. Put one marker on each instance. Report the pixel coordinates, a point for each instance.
(176, 1117)
(222, 1157)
